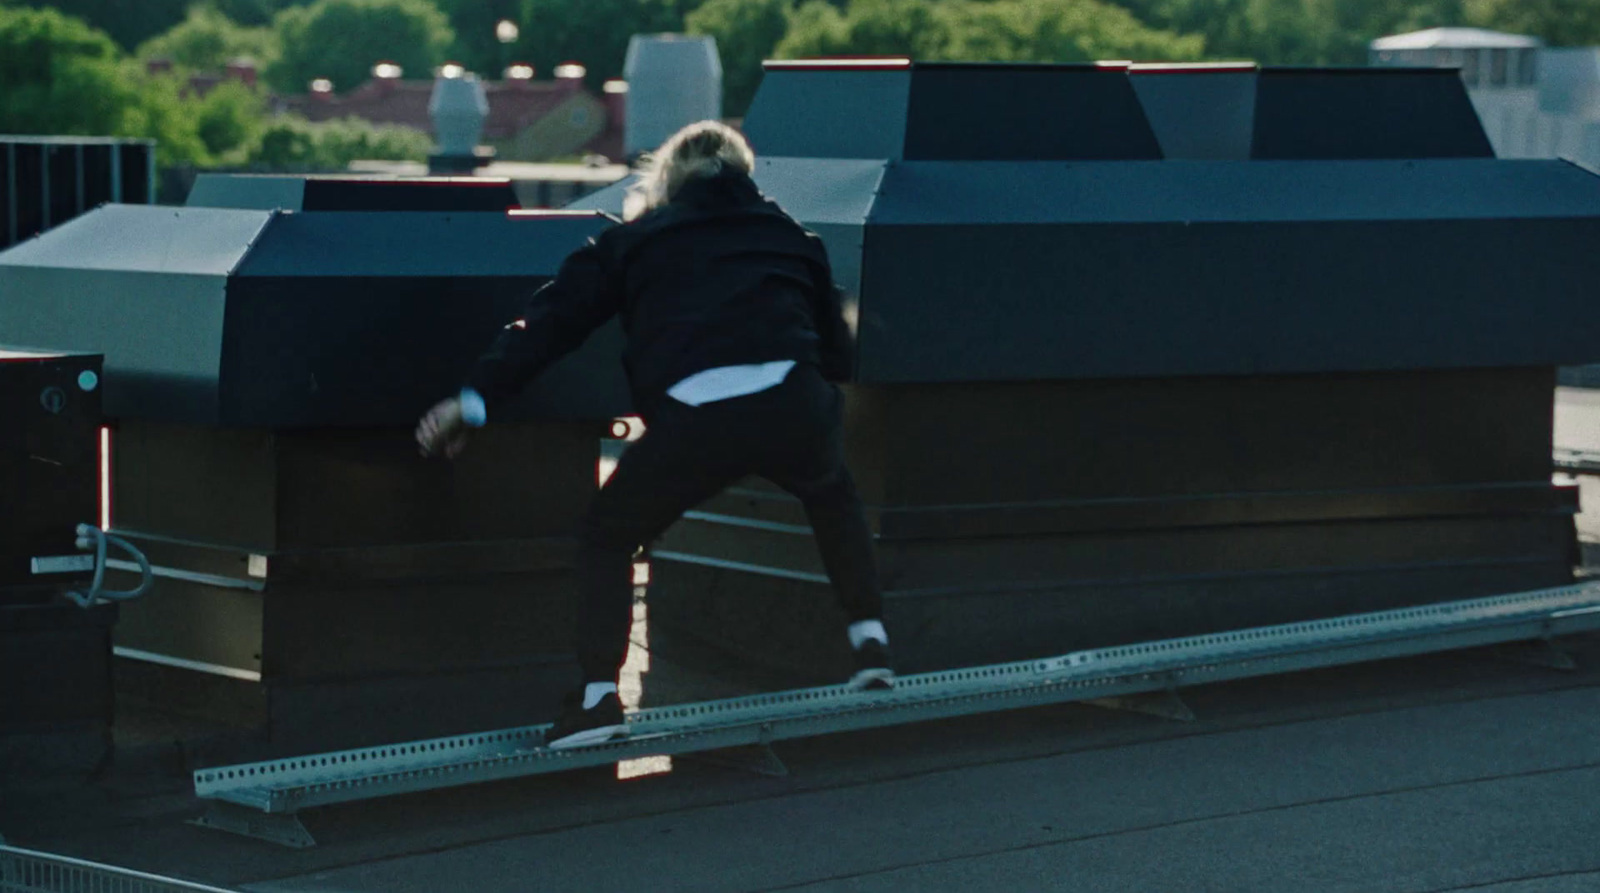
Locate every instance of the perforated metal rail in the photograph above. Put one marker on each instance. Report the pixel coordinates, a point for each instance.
(27, 871)
(284, 786)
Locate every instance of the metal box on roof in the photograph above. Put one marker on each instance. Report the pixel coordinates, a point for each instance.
(288, 192)
(55, 657)
(240, 318)
(49, 469)
(264, 373)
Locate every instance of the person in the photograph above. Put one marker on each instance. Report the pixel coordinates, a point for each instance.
(735, 337)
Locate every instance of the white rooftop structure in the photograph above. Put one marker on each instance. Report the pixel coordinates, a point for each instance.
(1454, 38)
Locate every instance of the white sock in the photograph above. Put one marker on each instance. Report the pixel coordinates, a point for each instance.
(594, 691)
(862, 630)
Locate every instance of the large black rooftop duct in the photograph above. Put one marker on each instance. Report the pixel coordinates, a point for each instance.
(950, 112)
(1328, 113)
(266, 319)
(287, 192)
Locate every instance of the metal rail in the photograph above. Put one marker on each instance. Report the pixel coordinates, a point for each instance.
(27, 871)
(1575, 461)
(261, 798)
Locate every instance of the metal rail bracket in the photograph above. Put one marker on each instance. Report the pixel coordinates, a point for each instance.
(280, 828)
(1537, 653)
(1165, 704)
(759, 759)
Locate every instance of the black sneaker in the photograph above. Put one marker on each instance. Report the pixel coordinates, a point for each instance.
(576, 726)
(873, 672)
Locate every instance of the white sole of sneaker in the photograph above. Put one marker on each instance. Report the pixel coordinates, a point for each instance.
(872, 679)
(597, 735)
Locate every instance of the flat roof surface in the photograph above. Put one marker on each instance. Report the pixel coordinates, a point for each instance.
(1472, 770)
(1441, 773)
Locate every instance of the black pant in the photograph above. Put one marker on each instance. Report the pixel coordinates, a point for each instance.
(791, 434)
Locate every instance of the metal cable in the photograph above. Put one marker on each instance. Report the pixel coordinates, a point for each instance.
(95, 539)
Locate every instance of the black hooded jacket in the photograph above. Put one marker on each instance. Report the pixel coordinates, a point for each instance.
(718, 276)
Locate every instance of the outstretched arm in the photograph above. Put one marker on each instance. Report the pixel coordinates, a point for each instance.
(555, 322)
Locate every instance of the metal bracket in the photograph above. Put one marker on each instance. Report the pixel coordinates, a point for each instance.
(760, 759)
(1536, 653)
(273, 827)
(1165, 704)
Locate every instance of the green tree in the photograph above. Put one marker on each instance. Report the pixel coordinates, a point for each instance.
(1059, 31)
(912, 28)
(229, 121)
(252, 13)
(129, 22)
(291, 143)
(593, 32)
(164, 111)
(208, 40)
(476, 45)
(993, 31)
(747, 32)
(1295, 32)
(342, 39)
(59, 76)
(1557, 22)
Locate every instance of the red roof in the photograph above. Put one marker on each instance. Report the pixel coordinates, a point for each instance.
(514, 105)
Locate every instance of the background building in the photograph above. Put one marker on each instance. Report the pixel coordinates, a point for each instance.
(529, 120)
(1535, 101)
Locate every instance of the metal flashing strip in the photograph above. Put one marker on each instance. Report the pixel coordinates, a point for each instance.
(173, 573)
(184, 663)
(751, 523)
(288, 785)
(762, 569)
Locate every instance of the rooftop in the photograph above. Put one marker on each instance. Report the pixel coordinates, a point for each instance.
(513, 105)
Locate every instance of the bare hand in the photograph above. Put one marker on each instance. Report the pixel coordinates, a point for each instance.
(443, 431)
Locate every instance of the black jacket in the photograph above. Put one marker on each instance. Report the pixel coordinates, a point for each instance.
(719, 276)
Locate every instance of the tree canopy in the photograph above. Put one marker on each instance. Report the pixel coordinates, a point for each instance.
(58, 75)
(128, 22)
(342, 39)
(981, 30)
(747, 32)
(208, 40)
(55, 72)
(593, 32)
(476, 45)
(1559, 22)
